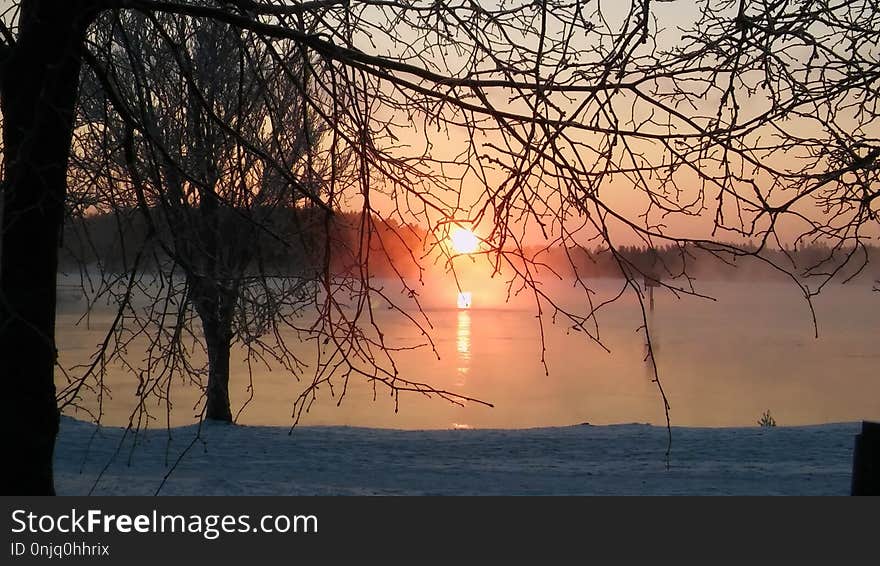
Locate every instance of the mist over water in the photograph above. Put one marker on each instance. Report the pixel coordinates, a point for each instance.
(722, 362)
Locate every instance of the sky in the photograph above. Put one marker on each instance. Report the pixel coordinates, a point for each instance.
(616, 192)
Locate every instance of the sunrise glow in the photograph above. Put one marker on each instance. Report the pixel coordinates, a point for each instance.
(464, 300)
(464, 241)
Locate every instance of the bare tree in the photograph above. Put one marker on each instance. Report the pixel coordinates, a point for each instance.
(41, 64)
(228, 161)
(566, 119)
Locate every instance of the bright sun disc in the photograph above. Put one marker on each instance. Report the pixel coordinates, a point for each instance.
(464, 241)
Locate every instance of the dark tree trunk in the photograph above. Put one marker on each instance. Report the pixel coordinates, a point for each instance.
(39, 85)
(214, 306)
(218, 341)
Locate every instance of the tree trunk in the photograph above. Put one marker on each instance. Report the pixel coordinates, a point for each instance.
(214, 307)
(218, 342)
(39, 91)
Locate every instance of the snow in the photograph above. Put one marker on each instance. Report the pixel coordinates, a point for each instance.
(576, 460)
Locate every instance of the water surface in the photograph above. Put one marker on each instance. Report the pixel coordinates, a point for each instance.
(722, 363)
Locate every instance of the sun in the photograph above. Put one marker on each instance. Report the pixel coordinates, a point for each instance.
(464, 241)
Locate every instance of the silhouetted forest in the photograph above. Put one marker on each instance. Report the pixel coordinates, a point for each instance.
(672, 262)
(298, 241)
(290, 241)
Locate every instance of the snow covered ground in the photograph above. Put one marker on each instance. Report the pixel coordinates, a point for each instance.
(589, 460)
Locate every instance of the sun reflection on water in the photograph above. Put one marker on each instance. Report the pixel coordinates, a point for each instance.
(463, 345)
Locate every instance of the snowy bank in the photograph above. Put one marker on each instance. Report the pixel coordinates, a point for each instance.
(584, 460)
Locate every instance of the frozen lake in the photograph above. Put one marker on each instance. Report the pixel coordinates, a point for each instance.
(722, 363)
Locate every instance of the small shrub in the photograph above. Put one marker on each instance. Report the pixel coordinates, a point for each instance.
(767, 419)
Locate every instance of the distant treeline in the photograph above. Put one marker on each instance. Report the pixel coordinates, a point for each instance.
(666, 262)
(282, 241)
(300, 241)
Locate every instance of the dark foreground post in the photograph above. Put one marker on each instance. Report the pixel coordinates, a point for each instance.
(866, 460)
